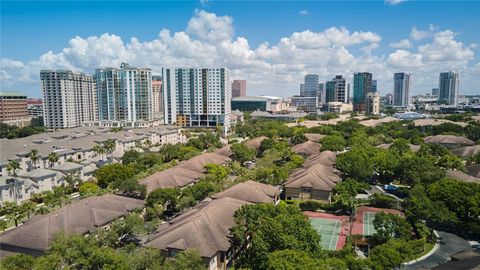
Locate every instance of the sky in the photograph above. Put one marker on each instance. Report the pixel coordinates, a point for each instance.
(271, 44)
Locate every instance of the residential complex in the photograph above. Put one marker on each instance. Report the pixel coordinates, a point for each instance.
(13, 109)
(239, 88)
(69, 98)
(197, 97)
(448, 88)
(34, 107)
(74, 149)
(124, 95)
(157, 97)
(362, 85)
(401, 89)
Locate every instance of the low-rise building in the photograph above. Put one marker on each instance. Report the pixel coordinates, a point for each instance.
(292, 116)
(373, 103)
(339, 107)
(259, 103)
(307, 104)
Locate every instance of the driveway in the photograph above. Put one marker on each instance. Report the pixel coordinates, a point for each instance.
(450, 244)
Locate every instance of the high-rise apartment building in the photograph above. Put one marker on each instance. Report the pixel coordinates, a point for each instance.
(337, 90)
(239, 88)
(373, 103)
(401, 89)
(197, 97)
(362, 85)
(157, 97)
(13, 109)
(311, 85)
(69, 99)
(448, 88)
(124, 95)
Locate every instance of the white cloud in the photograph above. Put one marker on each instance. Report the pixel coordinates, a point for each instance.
(402, 44)
(271, 69)
(304, 12)
(416, 34)
(394, 2)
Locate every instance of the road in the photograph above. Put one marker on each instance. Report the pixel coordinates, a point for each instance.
(450, 244)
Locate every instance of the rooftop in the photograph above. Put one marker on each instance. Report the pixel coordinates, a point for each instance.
(205, 227)
(80, 217)
(250, 191)
(448, 139)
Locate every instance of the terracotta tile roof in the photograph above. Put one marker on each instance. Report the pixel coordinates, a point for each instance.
(206, 228)
(307, 148)
(77, 217)
(448, 139)
(250, 191)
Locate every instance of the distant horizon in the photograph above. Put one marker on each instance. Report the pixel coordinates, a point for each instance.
(271, 45)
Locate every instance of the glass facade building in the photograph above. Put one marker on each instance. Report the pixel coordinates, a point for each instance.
(362, 85)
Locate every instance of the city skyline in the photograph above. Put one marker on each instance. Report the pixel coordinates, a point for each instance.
(226, 34)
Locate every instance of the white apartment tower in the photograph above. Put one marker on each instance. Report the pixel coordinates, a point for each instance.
(124, 94)
(69, 99)
(197, 97)
(157, 97)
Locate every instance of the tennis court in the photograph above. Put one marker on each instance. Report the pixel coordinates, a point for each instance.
(368, 228)
(329, 230)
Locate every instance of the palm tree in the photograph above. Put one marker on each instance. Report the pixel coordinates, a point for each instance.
(33, 155)
(3, 225)
(99, 150)
(14, 212)
(72, 180)
(110, 145)
(53, 158)
(13, 166)
(28, 207)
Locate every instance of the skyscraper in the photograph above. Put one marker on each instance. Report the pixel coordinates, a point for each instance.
(197, 97)
(401, 89)
(435, 92)
(124, 94)
(337, 90)
(239, 88)
(311, 86)
(157, 97)
(69, 99)
(448, 88)
(362, 85)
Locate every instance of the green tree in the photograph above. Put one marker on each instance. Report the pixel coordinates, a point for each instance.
(53, 158)
(188, 259)
(28, 207)
(3, 225)
(167, 197)
(17, 261)
(14, 212)
(110, 145)
(268, 228)
(385, 257)
(265, 145)
(129, 187)
(390, 226)
(242, 153)
(130, 156)
(98, 150)
(216, 172)
(33, 156)
(87, 189)
(356, 163)
(112, 172)
(13, 166)
(333, 143)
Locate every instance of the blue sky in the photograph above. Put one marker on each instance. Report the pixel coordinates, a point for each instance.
(272, 43)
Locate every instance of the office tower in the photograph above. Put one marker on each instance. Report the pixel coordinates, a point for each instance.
(337, 90)
(197, 97)
(374, 86)
(362, 84)
(401, 89)
(435, 92)
(448, 88)
(373, 103)
(69, 99)
(239, 88)
(124, 94)
(321, 94)
(157, 97)
(311, 86)
(302, 89)
(13, 109)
